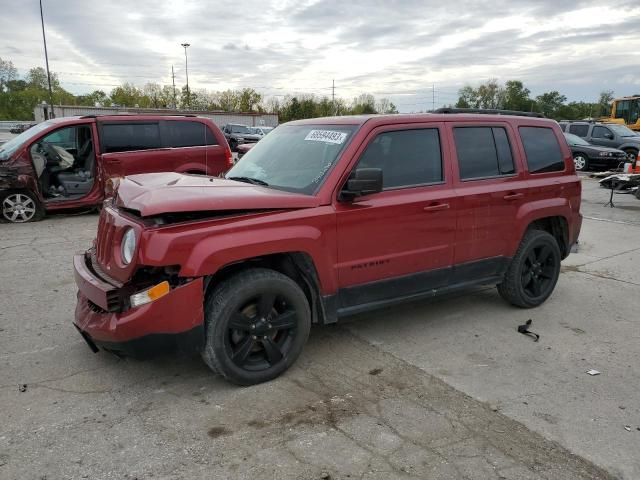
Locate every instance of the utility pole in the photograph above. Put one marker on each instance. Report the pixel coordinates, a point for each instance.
(46, 58)
(333, 96)
(433, 98)
(186, 71)
(173, 80)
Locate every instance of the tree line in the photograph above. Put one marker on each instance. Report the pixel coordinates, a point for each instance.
(19, 96)
(513, 95)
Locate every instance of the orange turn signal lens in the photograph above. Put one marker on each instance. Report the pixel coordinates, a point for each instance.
(150, 295)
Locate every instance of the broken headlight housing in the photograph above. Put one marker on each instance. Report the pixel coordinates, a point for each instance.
(128, 246)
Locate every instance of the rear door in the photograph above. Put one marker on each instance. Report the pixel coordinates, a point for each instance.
(195, 147)
(490, 186)
(398, 242)
(133, 147)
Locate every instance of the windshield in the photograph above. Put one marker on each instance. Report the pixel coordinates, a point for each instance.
(575, 140)
(9, 148)
(622, 130)
(240, 129)
(295, 158)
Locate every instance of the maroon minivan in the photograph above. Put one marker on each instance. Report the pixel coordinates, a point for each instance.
(71, 162)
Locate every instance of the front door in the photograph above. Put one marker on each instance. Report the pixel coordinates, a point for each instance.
(602, 135)
(65, 166)
(398, 242)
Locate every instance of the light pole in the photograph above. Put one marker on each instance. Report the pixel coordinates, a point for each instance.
(46, 58)
(186, 71)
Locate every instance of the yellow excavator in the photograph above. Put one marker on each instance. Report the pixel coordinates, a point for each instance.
(625, 111)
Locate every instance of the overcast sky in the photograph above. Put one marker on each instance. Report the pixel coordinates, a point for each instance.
(397, 49)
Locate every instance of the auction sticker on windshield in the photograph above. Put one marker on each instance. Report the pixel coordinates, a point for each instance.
(329, 136)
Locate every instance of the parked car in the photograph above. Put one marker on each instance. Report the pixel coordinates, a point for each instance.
(20, 127)
(586, 155)
(258, 133)
(606, 135)
(69, 162)
(237, 134)
(327, 218)
(244, 148)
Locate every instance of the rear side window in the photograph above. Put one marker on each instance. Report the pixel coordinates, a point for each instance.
(580, 130)
(188, 134)
(406, 157)
(542, 149)
(483, 152)
(127, 137)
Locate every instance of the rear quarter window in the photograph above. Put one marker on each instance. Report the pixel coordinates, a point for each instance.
(189, 134)
(542, 149)
(127, 137)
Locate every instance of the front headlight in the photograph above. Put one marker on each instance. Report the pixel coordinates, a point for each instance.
(128, 245)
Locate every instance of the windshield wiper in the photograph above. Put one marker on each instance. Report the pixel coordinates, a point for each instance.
(253, 181)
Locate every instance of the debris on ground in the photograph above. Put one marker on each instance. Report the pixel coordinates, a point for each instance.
(627, 428)
(621, 182)
(593, 372)
(22, 388)
(524, 329)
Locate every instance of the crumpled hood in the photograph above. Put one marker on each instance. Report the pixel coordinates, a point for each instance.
(156, 193)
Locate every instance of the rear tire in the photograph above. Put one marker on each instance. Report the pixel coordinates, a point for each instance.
(257, 323)
(20, 206)
(534, 271)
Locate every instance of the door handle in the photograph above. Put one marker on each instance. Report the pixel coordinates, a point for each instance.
(513, 196)
(436, 207)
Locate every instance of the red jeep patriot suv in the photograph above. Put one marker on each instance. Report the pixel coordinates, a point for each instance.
(325, 218)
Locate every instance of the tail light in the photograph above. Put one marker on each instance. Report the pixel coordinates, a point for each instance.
(228, 156)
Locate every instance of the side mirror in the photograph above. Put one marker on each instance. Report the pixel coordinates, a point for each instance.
(363, 181)
(608, 135)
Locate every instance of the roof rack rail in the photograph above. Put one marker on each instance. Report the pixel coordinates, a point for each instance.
(489, 111)
(98, 115)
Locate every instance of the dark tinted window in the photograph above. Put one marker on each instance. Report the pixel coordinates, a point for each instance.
(542, 149)
(601, 132)
(505, 158)
(188, 134)
(580, 130)
(125, 137)
(483, 152)
(406, 157)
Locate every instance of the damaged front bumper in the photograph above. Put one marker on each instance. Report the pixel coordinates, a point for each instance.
(174, 320)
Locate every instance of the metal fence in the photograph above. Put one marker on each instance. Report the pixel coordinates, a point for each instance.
(219, 118)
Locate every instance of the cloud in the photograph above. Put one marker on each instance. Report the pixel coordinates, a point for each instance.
(396, 48)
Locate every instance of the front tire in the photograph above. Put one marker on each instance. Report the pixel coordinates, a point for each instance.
(257, 323)
(20, 207)
(581, 162)
(534, 271)
(632, 155)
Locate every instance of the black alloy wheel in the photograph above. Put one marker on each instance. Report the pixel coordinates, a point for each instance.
(257, 323)
(534, 270)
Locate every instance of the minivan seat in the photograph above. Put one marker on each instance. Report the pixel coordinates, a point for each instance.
(79, 181)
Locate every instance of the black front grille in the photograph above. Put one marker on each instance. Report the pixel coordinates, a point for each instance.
(95, 308)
